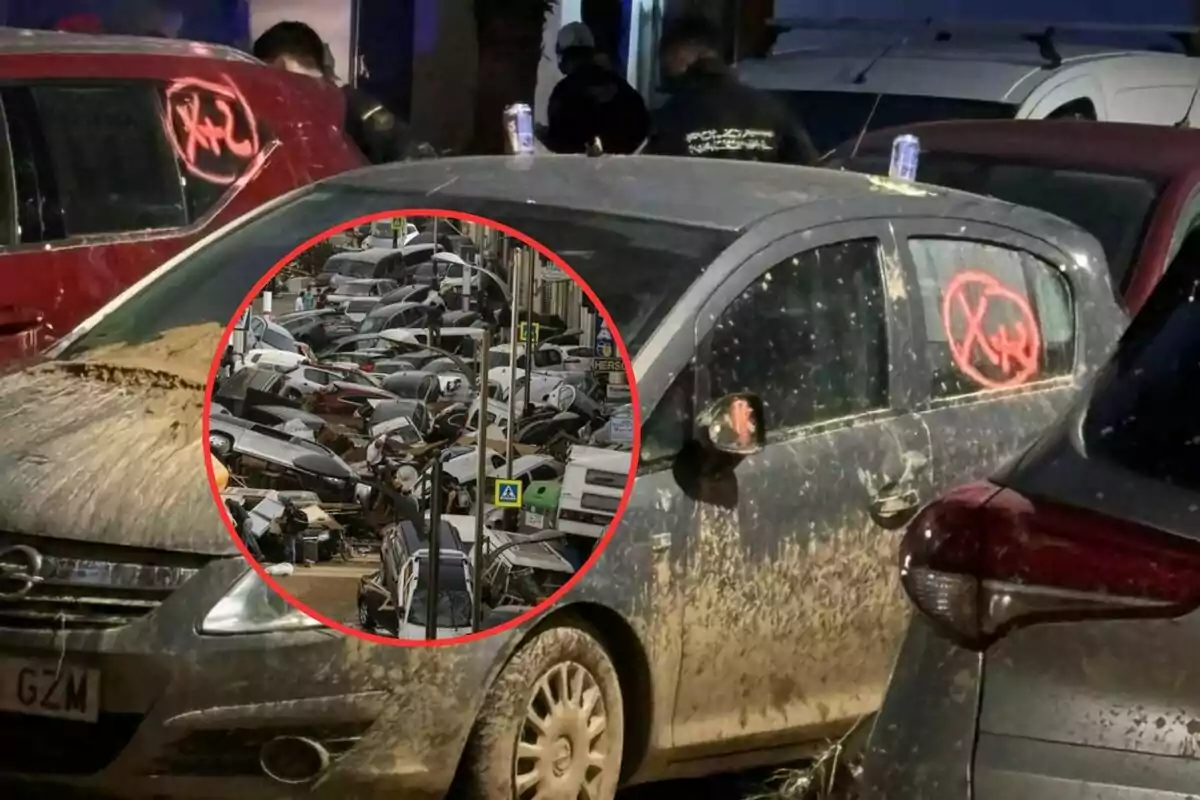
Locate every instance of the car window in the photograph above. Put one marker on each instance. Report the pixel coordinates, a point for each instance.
(112, 162)
(809, 337)
(1141, 410)
(669, 426)
(546, 472)
(995, 317)
(547, 358)
(318, 376)
(497, 461)
(278, 340)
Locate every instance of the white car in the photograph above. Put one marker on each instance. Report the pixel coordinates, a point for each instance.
(381, 234)
(280, 360)
(842, 78)
(360, 289)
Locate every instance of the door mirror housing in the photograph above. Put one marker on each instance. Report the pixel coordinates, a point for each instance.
(733, 425)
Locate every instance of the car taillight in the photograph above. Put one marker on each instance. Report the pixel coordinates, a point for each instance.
(983, 560)
(368, 367)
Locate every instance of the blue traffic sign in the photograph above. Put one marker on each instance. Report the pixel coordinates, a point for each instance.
(508, 494)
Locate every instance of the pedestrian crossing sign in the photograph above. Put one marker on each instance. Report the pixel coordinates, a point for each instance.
(508, 494)
(398, 223)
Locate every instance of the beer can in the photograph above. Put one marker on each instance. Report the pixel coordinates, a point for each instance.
(518, 128)
(906, 152)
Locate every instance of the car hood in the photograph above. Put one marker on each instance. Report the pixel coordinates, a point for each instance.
(109, 448)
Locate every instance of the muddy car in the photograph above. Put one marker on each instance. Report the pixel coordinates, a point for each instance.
(747, 607)
(1057, 604)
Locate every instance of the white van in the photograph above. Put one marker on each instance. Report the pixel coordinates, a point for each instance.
(593, 484)
(840, 77)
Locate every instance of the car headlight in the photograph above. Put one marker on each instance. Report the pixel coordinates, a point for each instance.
(252, 606)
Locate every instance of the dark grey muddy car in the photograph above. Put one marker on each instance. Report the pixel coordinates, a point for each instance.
(817, 354)
(1053, 653)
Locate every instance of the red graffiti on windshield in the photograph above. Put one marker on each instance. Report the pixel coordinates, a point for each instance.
(1011, 349)
(211, 128)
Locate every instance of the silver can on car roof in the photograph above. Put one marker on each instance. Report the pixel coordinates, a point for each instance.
(906, 152)
(518, 129)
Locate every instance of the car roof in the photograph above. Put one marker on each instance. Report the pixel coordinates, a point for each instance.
(390, 308)
(712, 193)
(371, 255)
(994, 67)
(1154, 150)
(19, 41)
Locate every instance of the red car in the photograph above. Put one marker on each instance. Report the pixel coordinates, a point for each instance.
(116, 153)
(1136, 188)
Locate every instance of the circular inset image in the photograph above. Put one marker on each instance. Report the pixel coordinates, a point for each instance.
(420, 428)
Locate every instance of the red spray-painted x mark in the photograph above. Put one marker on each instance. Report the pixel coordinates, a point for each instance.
(1012, 349)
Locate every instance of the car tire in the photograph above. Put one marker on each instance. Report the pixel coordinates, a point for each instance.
(293, 394)
(555, 676)
(364, 617)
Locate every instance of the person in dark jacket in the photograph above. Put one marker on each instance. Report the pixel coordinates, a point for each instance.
(710, 113)
(296, 47)
(592, 101)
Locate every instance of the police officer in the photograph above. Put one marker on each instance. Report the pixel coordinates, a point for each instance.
(710, 113)
(592, 101)
(296, 47)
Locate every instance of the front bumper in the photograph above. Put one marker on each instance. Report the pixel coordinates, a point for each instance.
(185, 715)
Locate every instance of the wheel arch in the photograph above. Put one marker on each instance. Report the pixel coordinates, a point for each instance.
(628, 655)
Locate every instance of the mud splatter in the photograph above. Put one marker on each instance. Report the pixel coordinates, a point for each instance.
(823, 618)
(108, 448)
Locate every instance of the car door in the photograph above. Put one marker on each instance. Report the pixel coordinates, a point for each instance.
(995, 334)
(792, 609)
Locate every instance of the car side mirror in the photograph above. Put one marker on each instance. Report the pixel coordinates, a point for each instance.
(733, 425)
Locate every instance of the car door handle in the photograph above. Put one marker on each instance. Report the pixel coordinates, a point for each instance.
(14, 320)
(895, 509)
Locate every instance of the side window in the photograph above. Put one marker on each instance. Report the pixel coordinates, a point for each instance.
(543, 473)
(497, 461)
(114, 168)
(668, 428)
(995, 317)
(809, 337)
(317, 376)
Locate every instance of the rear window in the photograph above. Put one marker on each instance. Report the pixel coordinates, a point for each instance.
(995, 317)
(1114, 208)
(832, 118)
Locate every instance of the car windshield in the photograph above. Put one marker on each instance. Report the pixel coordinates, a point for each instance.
(832, 118)
(349, 267)
(1114, 208)
(637, 267)
(454, 597)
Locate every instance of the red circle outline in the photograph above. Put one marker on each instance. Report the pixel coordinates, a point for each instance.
(228, 91)
(601, 545)
(991, 287)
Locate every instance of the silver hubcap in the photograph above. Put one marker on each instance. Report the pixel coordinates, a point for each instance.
(562, 749)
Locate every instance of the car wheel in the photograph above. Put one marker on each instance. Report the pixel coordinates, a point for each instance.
(551, 725)
(364, 617)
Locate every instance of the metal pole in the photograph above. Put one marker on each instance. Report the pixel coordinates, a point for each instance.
(510, 434)
(530, 344)
(485, 345)
(435, 547)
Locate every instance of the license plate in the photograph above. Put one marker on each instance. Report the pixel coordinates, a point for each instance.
(534, 520)
(49, 689)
